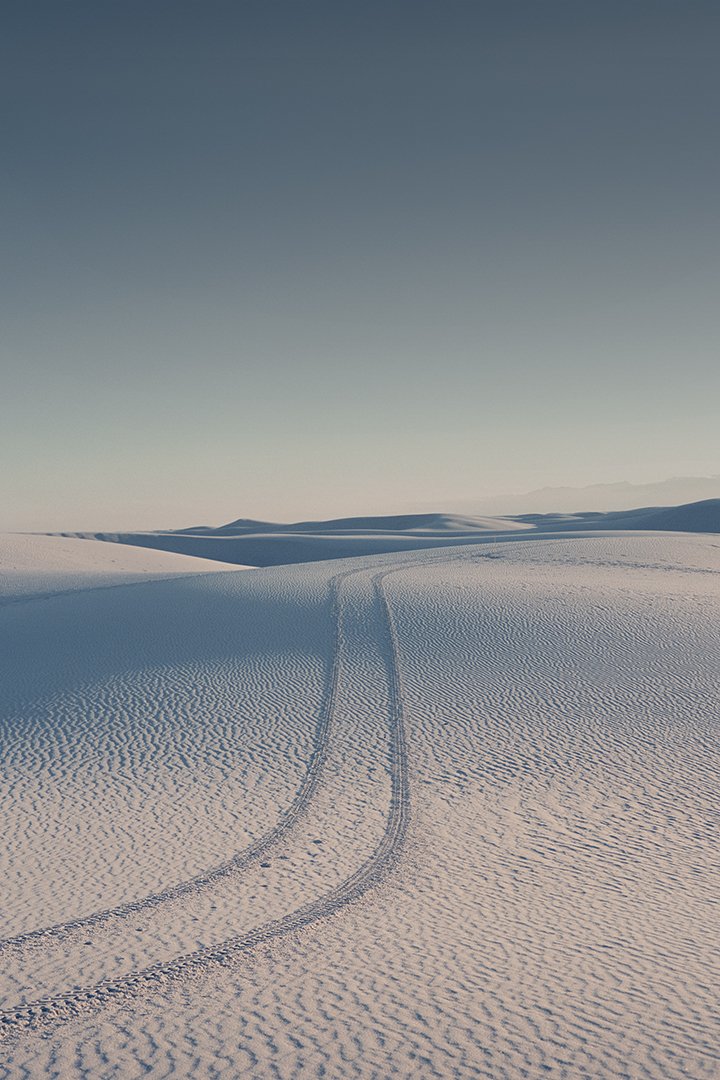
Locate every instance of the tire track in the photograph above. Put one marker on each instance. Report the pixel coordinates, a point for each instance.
(242, 859)
(62, 1007)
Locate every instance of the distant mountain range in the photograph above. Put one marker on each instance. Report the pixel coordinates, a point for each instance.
(601, 497)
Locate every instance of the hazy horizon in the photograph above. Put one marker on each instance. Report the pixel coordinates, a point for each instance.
(620, 495)
(304, 261)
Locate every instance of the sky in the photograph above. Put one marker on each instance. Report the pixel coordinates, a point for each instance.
(294, 260)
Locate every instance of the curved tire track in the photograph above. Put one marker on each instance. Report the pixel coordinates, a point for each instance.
(62, 1007)
(243, 859)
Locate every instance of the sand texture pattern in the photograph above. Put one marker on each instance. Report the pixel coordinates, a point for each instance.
(445, 813)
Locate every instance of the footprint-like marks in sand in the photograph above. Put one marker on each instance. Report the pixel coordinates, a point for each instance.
(56, 1008)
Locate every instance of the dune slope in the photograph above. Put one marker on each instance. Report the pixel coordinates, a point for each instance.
(34, 565)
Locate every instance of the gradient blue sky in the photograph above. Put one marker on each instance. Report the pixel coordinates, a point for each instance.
(299, 259)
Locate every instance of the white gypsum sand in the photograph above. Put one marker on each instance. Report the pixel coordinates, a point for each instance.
(34, 565)
(438, 813)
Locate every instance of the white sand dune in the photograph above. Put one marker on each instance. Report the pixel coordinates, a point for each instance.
(263, 543)
(34, 565)
(449, 812)
(410, 524)
(701, 517)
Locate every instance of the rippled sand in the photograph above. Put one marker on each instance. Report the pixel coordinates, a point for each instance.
(440, 814)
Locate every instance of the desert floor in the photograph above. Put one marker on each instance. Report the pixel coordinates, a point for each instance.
(448, 813)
